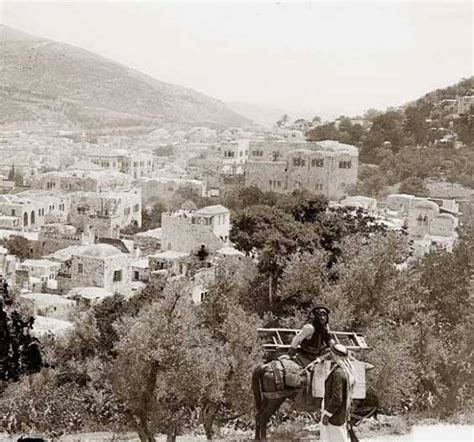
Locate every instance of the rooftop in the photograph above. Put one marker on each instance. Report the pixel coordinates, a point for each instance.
(43, 326)
(85, 165)
(170, 254)
(47, 299)
(153, 233)
(212, 210)
(335, 146)
(92, 293)
(98, 251)
(38, 263)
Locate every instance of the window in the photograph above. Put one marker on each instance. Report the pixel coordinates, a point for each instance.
(204, 294)
(422, 220)
(136, 275)
(13, 212)
(126, 211)
(117, 275)
(136, 207)
(317, 162)
(319, 187)
(80, 268)
(299, 162)
(345, 165)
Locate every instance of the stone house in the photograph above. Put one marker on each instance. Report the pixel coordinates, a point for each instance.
(135, 164)
(10, 222)
(49, 305)
(34, 209)
(82, 180)
(37, 274)
(52, 237)
(425, 218)
(325, 167)
(360, 202)
(8, 263)
(170, 262)
(191, 231)
(97, 265)
(106, 213)
(234, 156)
(164, 188)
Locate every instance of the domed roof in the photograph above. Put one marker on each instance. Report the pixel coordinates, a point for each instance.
(99, 251)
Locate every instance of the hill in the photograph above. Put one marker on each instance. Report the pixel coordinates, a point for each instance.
(46, 84)
(263, 115)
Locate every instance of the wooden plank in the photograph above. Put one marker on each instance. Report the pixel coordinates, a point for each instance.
(321, 372)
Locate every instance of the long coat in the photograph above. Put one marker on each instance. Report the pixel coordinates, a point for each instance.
(335, 396)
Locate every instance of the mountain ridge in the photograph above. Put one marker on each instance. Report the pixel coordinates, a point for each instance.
(45, 82)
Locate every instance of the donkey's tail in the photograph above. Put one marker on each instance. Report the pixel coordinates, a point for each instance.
(257, 386)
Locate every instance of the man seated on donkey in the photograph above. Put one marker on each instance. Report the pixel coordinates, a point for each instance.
(313, 339)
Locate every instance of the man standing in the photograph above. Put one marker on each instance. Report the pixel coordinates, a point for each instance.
(338, 389)
(313, 338)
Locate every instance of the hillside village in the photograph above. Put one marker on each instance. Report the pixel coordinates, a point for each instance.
(116, 231)
(76, 206)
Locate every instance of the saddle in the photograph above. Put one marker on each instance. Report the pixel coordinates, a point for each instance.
(288, 374)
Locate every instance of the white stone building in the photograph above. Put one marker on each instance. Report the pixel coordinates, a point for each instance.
(106, 213)
(33, 209)
(97, 265)
(165, 189)
(325, 167)
(135, 164)
(189, 232)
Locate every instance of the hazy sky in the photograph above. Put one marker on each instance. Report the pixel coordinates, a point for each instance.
(326, 58)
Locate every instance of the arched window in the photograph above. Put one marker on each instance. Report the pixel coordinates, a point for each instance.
(25, 219)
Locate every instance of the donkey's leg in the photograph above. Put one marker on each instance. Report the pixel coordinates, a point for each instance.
(267, 411)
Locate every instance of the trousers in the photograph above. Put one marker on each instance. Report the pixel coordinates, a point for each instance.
(334, 433)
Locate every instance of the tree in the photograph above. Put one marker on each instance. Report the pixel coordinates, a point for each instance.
(19, 246)
(303, 206)
(323, 132)
(413, 186)
(417, 123)
(464, 127)
(152, 219)
(316, 121)
(165, 365)
(236, 331)
(283, 121)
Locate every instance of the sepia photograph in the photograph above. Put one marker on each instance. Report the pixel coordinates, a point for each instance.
(236, 220)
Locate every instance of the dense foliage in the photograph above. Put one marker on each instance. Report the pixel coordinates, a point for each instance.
(419, 140)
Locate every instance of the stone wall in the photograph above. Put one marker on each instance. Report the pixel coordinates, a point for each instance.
(165, 189)
(98, 272)
(179, 234)
(106, 213)
(443, 225)
(74, 181)
(332, 174)
(420, 216)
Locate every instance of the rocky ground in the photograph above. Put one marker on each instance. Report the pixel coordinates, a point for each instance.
(385, 429)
